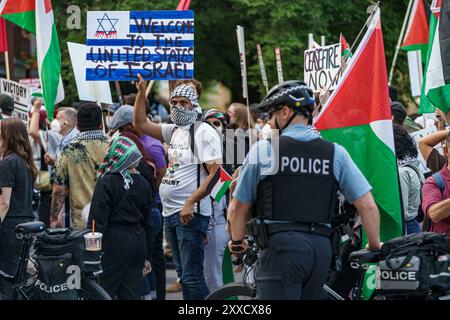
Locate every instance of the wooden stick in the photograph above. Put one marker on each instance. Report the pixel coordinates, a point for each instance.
(8, 75)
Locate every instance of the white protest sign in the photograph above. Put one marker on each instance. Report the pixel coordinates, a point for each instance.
(241, 45)
(97, 91)
(322, 67)
(279, 65)
(415, 72)
(416, 136)
(157, 44)
(31, 82)
(21, 96)
(261, 67)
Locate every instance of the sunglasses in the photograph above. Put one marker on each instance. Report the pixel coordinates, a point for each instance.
(217, 123)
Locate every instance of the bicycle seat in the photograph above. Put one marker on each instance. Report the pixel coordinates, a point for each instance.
(30, 227)
(363, 256)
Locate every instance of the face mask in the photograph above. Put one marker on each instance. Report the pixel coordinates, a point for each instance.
(182, 116)
(56, 126)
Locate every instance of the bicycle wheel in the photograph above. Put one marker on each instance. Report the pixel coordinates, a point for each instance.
(240, 291)
(91, 290)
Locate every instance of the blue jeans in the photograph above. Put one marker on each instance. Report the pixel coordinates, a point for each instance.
(187, 243)
(412, 226)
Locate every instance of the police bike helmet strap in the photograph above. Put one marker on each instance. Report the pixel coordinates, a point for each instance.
(294, 94)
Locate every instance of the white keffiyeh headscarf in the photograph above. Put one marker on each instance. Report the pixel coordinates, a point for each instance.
(183, 116)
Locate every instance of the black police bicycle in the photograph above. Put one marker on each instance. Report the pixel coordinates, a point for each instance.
(246, 290)
(412, 267)
(23, 283)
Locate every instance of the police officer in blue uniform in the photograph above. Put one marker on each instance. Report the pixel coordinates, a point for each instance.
(287, 187)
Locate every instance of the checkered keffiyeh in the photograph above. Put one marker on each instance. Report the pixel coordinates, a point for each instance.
(122, 153)
(187, 92)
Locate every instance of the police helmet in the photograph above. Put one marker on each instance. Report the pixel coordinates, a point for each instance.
(294, 94)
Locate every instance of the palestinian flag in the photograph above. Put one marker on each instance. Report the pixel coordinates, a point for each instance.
(219, 184)
(36, 16)
(345, 48)
(358, 117)
(437, 88)
(416, 36)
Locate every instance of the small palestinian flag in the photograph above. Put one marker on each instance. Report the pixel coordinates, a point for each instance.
(345, 48)
(220, 184)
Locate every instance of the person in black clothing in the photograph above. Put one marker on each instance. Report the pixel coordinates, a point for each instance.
(17, 175)
(147, 169)
(120, 207)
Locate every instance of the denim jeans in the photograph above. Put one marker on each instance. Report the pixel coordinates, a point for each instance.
(412, 226)
(187, 242)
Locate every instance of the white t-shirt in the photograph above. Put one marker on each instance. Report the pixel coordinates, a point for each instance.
(180, 180)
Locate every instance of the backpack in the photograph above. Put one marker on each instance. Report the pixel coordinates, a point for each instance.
(420, 214)
(60, 258)
(416, 262)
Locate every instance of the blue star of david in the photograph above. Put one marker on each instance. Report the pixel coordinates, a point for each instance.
(106, 20)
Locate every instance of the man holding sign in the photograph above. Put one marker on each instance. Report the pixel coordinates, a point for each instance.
(184, 189)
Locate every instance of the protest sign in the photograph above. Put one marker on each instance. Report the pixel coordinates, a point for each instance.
(416, 136)
(157, 44)
(262, 68)
(322, 67)
(241, 46)
(21, 96)
(97, 91)
(31, 82)
(279, 65)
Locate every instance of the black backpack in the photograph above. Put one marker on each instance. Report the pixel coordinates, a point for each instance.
(60, 258)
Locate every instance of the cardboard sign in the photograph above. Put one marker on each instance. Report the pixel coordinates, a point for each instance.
(31, 82)
(416, 136)
(21, 96)
(97, 91)
(322, 67)
(241, 45)
(157, 44)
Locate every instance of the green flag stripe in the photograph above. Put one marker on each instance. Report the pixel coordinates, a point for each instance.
(222, 190)
(440, 97)
(378, 164)
(50, 73)
(25, 20)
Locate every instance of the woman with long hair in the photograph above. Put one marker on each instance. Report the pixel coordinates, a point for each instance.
(17, 176)
(410, 177)
(243, 129)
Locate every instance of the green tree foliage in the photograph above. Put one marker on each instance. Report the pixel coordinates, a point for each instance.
(272, 23)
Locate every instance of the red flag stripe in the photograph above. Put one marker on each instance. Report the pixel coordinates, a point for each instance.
(17, 6)
(417, 32)
(3, 39)
(362, 97)
(224, 176)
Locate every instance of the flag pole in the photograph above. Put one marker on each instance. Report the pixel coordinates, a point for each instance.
(369, 19)
(400, 39)
(8, 75)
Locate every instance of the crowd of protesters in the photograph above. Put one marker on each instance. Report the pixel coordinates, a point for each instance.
(129, 169)
(142, 173)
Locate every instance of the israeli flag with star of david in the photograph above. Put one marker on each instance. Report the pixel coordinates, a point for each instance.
(157, 44)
